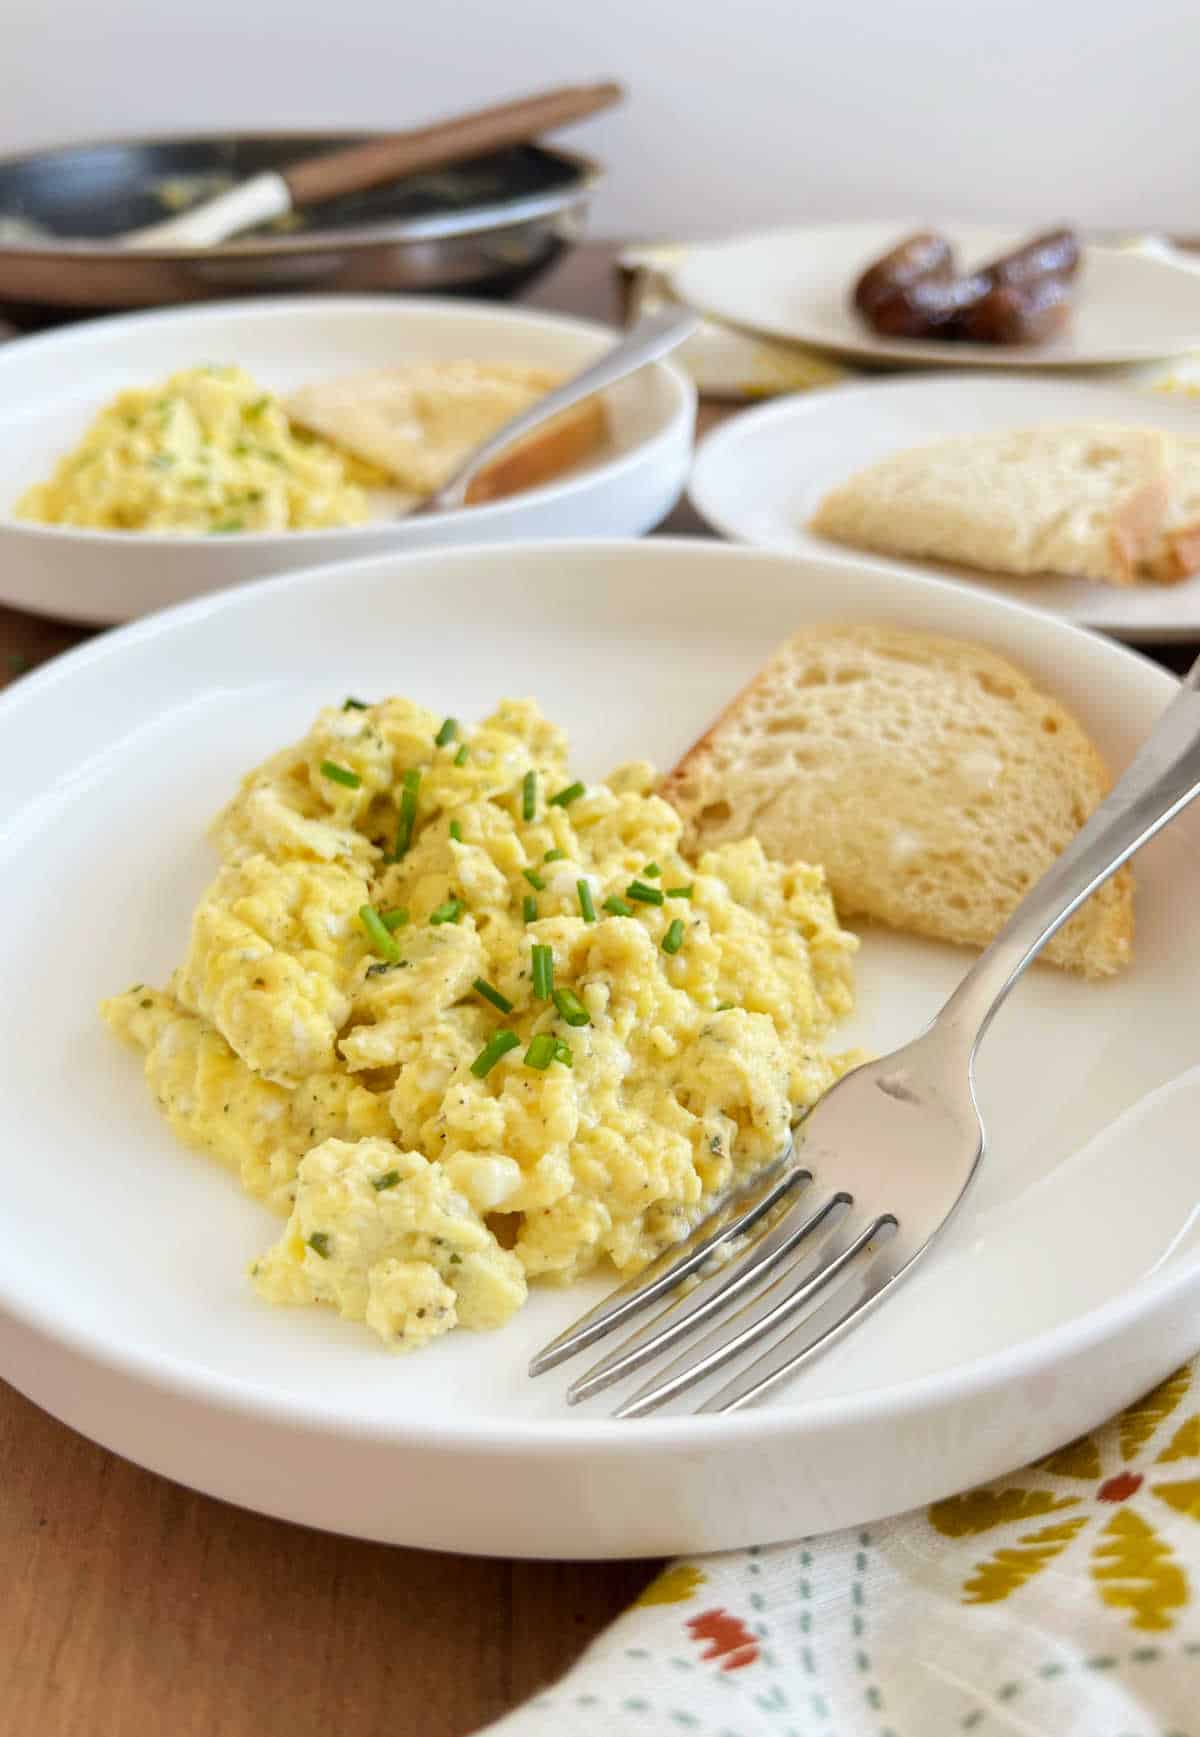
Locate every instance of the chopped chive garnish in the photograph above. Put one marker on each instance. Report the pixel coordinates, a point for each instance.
(672, 941)
(680, 892)
(555, 856)
(228, 525)
(408, 814)
(497, 1045)
(456, 832)
(257, 408)
(447, 733)
(529, 796)
(585, 901)
(389, 1179)
(529, 908)
(564, 798)
(543, 970)
(460, 759)
(350, 704)
(541, 1050)
(617, 907)
(562, 1052)
(724, 1006)
(643, 894)
(340, 774)
(535, 880)
(377, 933)
(490, 993)
(318, 1242)
(450, 912)
(395, 918)
(571, 1008)
(652, 871)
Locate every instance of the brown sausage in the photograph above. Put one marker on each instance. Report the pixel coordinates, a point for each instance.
(927, 308)
(1015, 314)
(918, 256)
(1054, 254)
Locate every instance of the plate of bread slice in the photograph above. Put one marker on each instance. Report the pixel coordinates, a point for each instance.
(151, 457)
(926, 749)
(1079, 497)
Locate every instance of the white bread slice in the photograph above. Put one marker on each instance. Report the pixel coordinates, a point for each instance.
(419, 420)
(1085, 499)
(930, 778)
(1177, 554)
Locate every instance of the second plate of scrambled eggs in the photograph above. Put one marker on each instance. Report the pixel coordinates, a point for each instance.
(470, 1022)
(149, 458)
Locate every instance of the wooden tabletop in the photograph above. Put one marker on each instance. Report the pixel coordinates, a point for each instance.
(134, 1608)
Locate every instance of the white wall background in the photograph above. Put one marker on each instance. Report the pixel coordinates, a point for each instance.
(740, 111)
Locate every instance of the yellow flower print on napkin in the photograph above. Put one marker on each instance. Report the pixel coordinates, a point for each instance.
(1041, 1513)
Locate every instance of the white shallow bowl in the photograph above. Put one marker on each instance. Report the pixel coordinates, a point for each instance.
(797, 284)
(51, 387)
(760, 477)
(1068, 1283)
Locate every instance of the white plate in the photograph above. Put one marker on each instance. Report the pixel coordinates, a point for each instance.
(759, 477)
(51, 387)
(797, 284)
(1063, 1289)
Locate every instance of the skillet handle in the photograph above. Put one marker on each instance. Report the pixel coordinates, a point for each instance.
(348, 171)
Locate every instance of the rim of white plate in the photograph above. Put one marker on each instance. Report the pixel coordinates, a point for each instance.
(561, 1437)
(279, 307)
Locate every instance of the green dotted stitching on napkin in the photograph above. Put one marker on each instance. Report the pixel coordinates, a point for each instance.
(1140, 1655)
(804, 1588)
(872, 1693)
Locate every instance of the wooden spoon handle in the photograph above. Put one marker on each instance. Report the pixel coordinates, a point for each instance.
(384, 159)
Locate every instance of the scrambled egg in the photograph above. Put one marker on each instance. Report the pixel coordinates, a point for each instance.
(208, 450)
(468, 1022)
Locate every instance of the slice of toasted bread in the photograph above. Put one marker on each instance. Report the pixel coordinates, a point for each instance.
(930, 778)
(1086, 500)
(419, 420)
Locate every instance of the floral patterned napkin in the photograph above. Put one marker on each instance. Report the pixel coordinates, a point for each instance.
(1061, 1601)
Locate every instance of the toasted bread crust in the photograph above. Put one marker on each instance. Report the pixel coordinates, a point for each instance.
(1139, 530)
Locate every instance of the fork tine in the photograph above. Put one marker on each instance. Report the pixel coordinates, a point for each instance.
(738, 1215)
(694, 1366)
(685, 1315)
(792, 1350)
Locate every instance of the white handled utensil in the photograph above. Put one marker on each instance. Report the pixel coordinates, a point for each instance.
(885, 1156)
(273, 194)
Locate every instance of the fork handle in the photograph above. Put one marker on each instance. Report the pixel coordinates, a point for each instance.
(1162, 779)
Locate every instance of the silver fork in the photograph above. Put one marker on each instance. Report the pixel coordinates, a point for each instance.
(810, 1245)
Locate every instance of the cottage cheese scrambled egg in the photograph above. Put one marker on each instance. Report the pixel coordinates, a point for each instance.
(467, 1022)
(208, 450)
